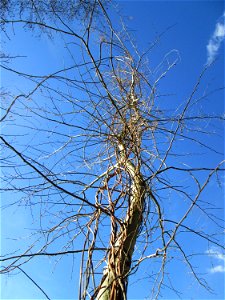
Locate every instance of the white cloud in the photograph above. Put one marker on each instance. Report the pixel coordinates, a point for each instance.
(217, 269)
(217, 254)
(216, 40)
(214, 252)
(219, 31)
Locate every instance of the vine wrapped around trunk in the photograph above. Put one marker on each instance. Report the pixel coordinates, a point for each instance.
(114, 281)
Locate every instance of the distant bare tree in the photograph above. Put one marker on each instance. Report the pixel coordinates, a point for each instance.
(100, 154)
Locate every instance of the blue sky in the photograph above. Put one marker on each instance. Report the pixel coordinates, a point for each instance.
(194, 33)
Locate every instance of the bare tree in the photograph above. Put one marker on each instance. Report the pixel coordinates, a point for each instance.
(100, 155)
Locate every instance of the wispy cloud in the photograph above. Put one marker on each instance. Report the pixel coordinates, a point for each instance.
(217, 269)
(216, 40)
(217, 254)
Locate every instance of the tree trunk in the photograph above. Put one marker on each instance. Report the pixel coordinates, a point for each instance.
(114, 281)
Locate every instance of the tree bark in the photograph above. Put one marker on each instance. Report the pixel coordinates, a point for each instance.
(114, 281)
